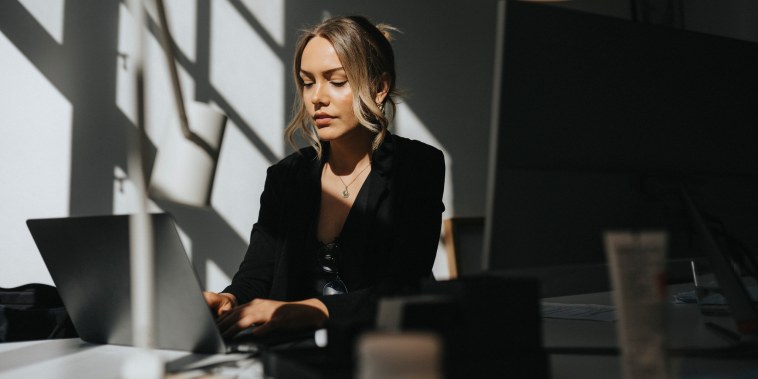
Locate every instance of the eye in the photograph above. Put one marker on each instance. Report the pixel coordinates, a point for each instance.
(339, 83)
(307, 84)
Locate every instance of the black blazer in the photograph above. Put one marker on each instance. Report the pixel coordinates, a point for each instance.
(397, 226)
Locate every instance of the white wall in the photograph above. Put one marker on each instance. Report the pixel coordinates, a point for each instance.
(35, 152)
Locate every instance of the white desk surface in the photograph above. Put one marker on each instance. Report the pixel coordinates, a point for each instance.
(76, 359)
(686, 330)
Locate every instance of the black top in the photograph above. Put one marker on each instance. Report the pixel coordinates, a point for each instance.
(348, 239)
(393, 234)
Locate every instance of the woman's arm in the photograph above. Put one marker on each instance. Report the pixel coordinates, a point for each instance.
(244, 303)
(418, 219)
(256, 272)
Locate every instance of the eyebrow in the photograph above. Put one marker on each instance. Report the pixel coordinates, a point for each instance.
(326, 73)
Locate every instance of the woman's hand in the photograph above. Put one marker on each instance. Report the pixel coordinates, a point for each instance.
(270, 315)
(220, 302)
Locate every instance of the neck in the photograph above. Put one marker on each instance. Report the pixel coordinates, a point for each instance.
(352, 151)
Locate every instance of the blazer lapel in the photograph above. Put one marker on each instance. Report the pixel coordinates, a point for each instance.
(383, 166)
(379, 193)
(309, 195)
(378, 190)
(303, 213)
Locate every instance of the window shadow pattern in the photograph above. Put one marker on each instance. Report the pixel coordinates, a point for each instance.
(82, 69)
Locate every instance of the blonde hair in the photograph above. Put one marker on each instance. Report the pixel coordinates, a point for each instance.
(369, 62)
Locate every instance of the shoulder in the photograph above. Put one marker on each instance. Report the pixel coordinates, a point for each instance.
(413, 145)
(416, 151)
(303, 158)
(419, 173)
(293, 168)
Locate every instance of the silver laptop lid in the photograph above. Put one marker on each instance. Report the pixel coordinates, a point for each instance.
(88, 259)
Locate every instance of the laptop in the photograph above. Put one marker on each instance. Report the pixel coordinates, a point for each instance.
(88, 259)
(740, 304)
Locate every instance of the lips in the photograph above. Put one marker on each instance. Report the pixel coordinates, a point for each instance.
(322, 119)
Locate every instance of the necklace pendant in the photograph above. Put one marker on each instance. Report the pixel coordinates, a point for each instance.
(345, 193)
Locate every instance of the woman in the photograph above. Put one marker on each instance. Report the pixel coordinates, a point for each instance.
(352, 217)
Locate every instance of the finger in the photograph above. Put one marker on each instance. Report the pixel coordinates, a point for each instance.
(227, 318)
(237, 319)
(208, 295)
(212, 298)
(224, 308)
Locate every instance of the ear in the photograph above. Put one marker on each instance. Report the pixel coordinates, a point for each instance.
(383, 90)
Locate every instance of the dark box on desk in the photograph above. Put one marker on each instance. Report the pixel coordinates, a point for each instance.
(496, 330)
(307, 363)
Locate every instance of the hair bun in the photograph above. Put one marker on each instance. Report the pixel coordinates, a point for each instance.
(387, 31)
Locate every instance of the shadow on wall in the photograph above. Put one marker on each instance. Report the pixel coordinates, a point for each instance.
(213, 240)
(82, 69)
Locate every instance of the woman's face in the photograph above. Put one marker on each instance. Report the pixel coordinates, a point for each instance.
(326, 92)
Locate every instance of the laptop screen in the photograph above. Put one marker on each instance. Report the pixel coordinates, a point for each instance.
(88, 259)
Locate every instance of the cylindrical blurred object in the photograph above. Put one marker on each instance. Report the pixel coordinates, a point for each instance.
(637, 265)
(399, 356)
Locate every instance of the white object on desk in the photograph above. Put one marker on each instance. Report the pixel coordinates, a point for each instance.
(399, 356)
(142, 364)
(637, 264)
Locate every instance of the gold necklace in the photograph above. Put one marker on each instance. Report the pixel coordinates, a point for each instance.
(346, 192)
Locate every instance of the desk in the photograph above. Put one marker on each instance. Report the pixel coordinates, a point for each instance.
(72, 358)
(76, 359)
(686, 331)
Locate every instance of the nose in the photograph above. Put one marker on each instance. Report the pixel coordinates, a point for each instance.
(319, 96)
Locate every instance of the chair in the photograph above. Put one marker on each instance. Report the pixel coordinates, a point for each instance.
(33, 312)
(464, 244)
